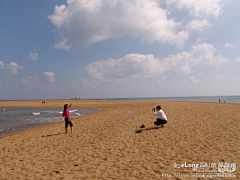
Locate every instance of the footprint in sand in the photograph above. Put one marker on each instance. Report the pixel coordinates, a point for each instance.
(157, 172)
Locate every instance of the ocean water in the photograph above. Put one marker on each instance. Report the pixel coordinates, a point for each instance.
(21, 118)
(226, 99)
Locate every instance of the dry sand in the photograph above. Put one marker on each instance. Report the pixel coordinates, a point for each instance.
(104, 145)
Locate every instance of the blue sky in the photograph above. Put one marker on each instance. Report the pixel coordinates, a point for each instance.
(119, 48)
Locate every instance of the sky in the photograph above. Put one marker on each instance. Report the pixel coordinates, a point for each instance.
(119, 48)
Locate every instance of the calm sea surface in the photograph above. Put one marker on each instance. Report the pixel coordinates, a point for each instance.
(21, 118)
(226, 99)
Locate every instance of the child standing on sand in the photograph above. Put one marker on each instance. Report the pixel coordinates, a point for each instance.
(67, 118)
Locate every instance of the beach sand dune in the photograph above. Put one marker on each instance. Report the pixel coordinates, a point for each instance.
(104, 145)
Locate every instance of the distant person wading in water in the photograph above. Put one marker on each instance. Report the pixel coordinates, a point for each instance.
(67, 118)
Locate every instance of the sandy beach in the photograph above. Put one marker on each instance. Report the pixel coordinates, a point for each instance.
(104, 145)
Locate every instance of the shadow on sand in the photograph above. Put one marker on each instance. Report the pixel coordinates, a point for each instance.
(147, 129)
(50, 135)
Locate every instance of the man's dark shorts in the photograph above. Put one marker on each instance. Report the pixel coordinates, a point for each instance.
(68, 122)
(160, 121)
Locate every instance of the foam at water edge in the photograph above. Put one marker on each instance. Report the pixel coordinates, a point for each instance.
(36, 113)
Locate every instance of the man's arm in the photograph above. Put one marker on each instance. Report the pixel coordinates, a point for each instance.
(153, 111)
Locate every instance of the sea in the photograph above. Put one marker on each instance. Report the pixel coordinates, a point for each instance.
(22, 118)
(223, 99)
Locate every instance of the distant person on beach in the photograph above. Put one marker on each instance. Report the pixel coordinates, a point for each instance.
(162, 116)
(67, 118)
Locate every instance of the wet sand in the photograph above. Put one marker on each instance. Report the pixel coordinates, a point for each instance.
(104, 145)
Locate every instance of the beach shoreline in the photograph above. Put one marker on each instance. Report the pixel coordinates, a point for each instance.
(104, 145)
(15, 119)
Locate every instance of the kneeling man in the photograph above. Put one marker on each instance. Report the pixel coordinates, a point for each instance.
(162, 116)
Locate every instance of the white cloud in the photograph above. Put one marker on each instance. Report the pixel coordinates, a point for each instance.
(144, 66)
(237, 59)
(229, 45)
(131, 65)
(33, 56)
(50, 76)
(62, 45)
(201, 54)
(85, 82)
(220, 77)
(215, 79)
(199, 8)
(82, 23)
(193, 79)
(2, 65)
(29, 80)
(237, 79)
(13, 67)
(198, 41)
(198, 25)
